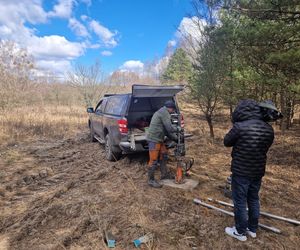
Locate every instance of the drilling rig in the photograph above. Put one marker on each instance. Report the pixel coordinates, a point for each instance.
(184, 164)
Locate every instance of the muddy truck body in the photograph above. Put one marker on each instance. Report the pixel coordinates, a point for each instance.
(120, 121)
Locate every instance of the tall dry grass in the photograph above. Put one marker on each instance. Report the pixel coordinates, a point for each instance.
(56, 110)
(32, 122)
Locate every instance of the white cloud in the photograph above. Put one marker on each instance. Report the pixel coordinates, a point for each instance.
(84, 17)
(172, 43)
(54, 47)
(187, 36)
(191, 28)
(52, 52)
(190, 33)
(59, 67)
(78, 28)
(87, 2)
(14, 10)
(133, 66)
(62, 9)
(5, 30)
(188, 29)
(106, 36)
(106, 53)
(161, 65)
(93, 46)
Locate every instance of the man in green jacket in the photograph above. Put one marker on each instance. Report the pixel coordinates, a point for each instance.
(160, 127)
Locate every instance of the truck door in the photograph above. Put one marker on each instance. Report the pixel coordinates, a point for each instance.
(98, 121)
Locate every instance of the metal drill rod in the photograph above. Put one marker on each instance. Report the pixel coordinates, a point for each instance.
(273, 229)
(295, 222)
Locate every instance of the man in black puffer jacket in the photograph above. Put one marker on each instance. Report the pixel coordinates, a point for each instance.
(251, 138)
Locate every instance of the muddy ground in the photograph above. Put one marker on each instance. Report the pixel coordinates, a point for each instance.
(64, 194)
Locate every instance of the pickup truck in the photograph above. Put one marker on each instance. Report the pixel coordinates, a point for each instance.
(120, 121)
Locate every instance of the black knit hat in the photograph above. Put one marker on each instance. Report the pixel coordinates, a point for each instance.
(170, 104)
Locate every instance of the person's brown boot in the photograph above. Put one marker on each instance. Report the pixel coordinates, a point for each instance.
(151, 180)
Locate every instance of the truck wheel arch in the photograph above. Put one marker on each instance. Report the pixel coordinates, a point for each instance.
(105, 132)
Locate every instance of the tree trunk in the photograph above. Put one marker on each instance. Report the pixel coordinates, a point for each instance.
(210, 125)
(231, 85)
(288, 113)
(283, 109)
(292, 111)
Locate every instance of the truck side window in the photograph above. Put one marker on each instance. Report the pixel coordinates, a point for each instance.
(115, 104)
(98, 107)
(98, 111)
(159, 102)
(101, 105)
(140, 105)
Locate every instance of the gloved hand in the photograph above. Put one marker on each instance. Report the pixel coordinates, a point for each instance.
(172, 144)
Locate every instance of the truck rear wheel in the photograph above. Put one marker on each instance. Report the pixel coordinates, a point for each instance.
(111, 153)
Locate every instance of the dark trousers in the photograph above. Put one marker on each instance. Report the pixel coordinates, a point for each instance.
(245, 191)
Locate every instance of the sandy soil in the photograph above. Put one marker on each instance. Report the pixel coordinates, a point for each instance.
(64, 195)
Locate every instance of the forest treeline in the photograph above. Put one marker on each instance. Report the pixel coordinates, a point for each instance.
(243, 49)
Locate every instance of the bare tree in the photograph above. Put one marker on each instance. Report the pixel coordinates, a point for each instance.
(89, 81)
(16, 74)
(124, 78)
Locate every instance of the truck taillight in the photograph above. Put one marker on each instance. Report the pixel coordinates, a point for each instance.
(123, 126)
(182, 121)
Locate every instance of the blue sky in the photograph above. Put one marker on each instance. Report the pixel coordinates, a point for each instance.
(60, 33)
(145, 27)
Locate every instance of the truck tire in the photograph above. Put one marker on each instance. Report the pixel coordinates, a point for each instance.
(92, 134)
(111, 153)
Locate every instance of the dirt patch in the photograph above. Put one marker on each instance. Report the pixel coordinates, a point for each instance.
(65, 195)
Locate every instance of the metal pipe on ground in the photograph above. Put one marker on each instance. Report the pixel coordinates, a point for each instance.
(199, 202)
(295, 222)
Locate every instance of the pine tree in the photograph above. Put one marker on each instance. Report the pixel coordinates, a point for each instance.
(267, 42)
(179, 69)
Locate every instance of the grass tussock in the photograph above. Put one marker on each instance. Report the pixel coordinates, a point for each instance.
(25, 123)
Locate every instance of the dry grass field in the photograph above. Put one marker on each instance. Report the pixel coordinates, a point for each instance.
(57, 191)
(34, 122)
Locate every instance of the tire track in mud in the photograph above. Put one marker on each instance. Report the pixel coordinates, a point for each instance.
(73, 165)
(64, 176)
(71, 194)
